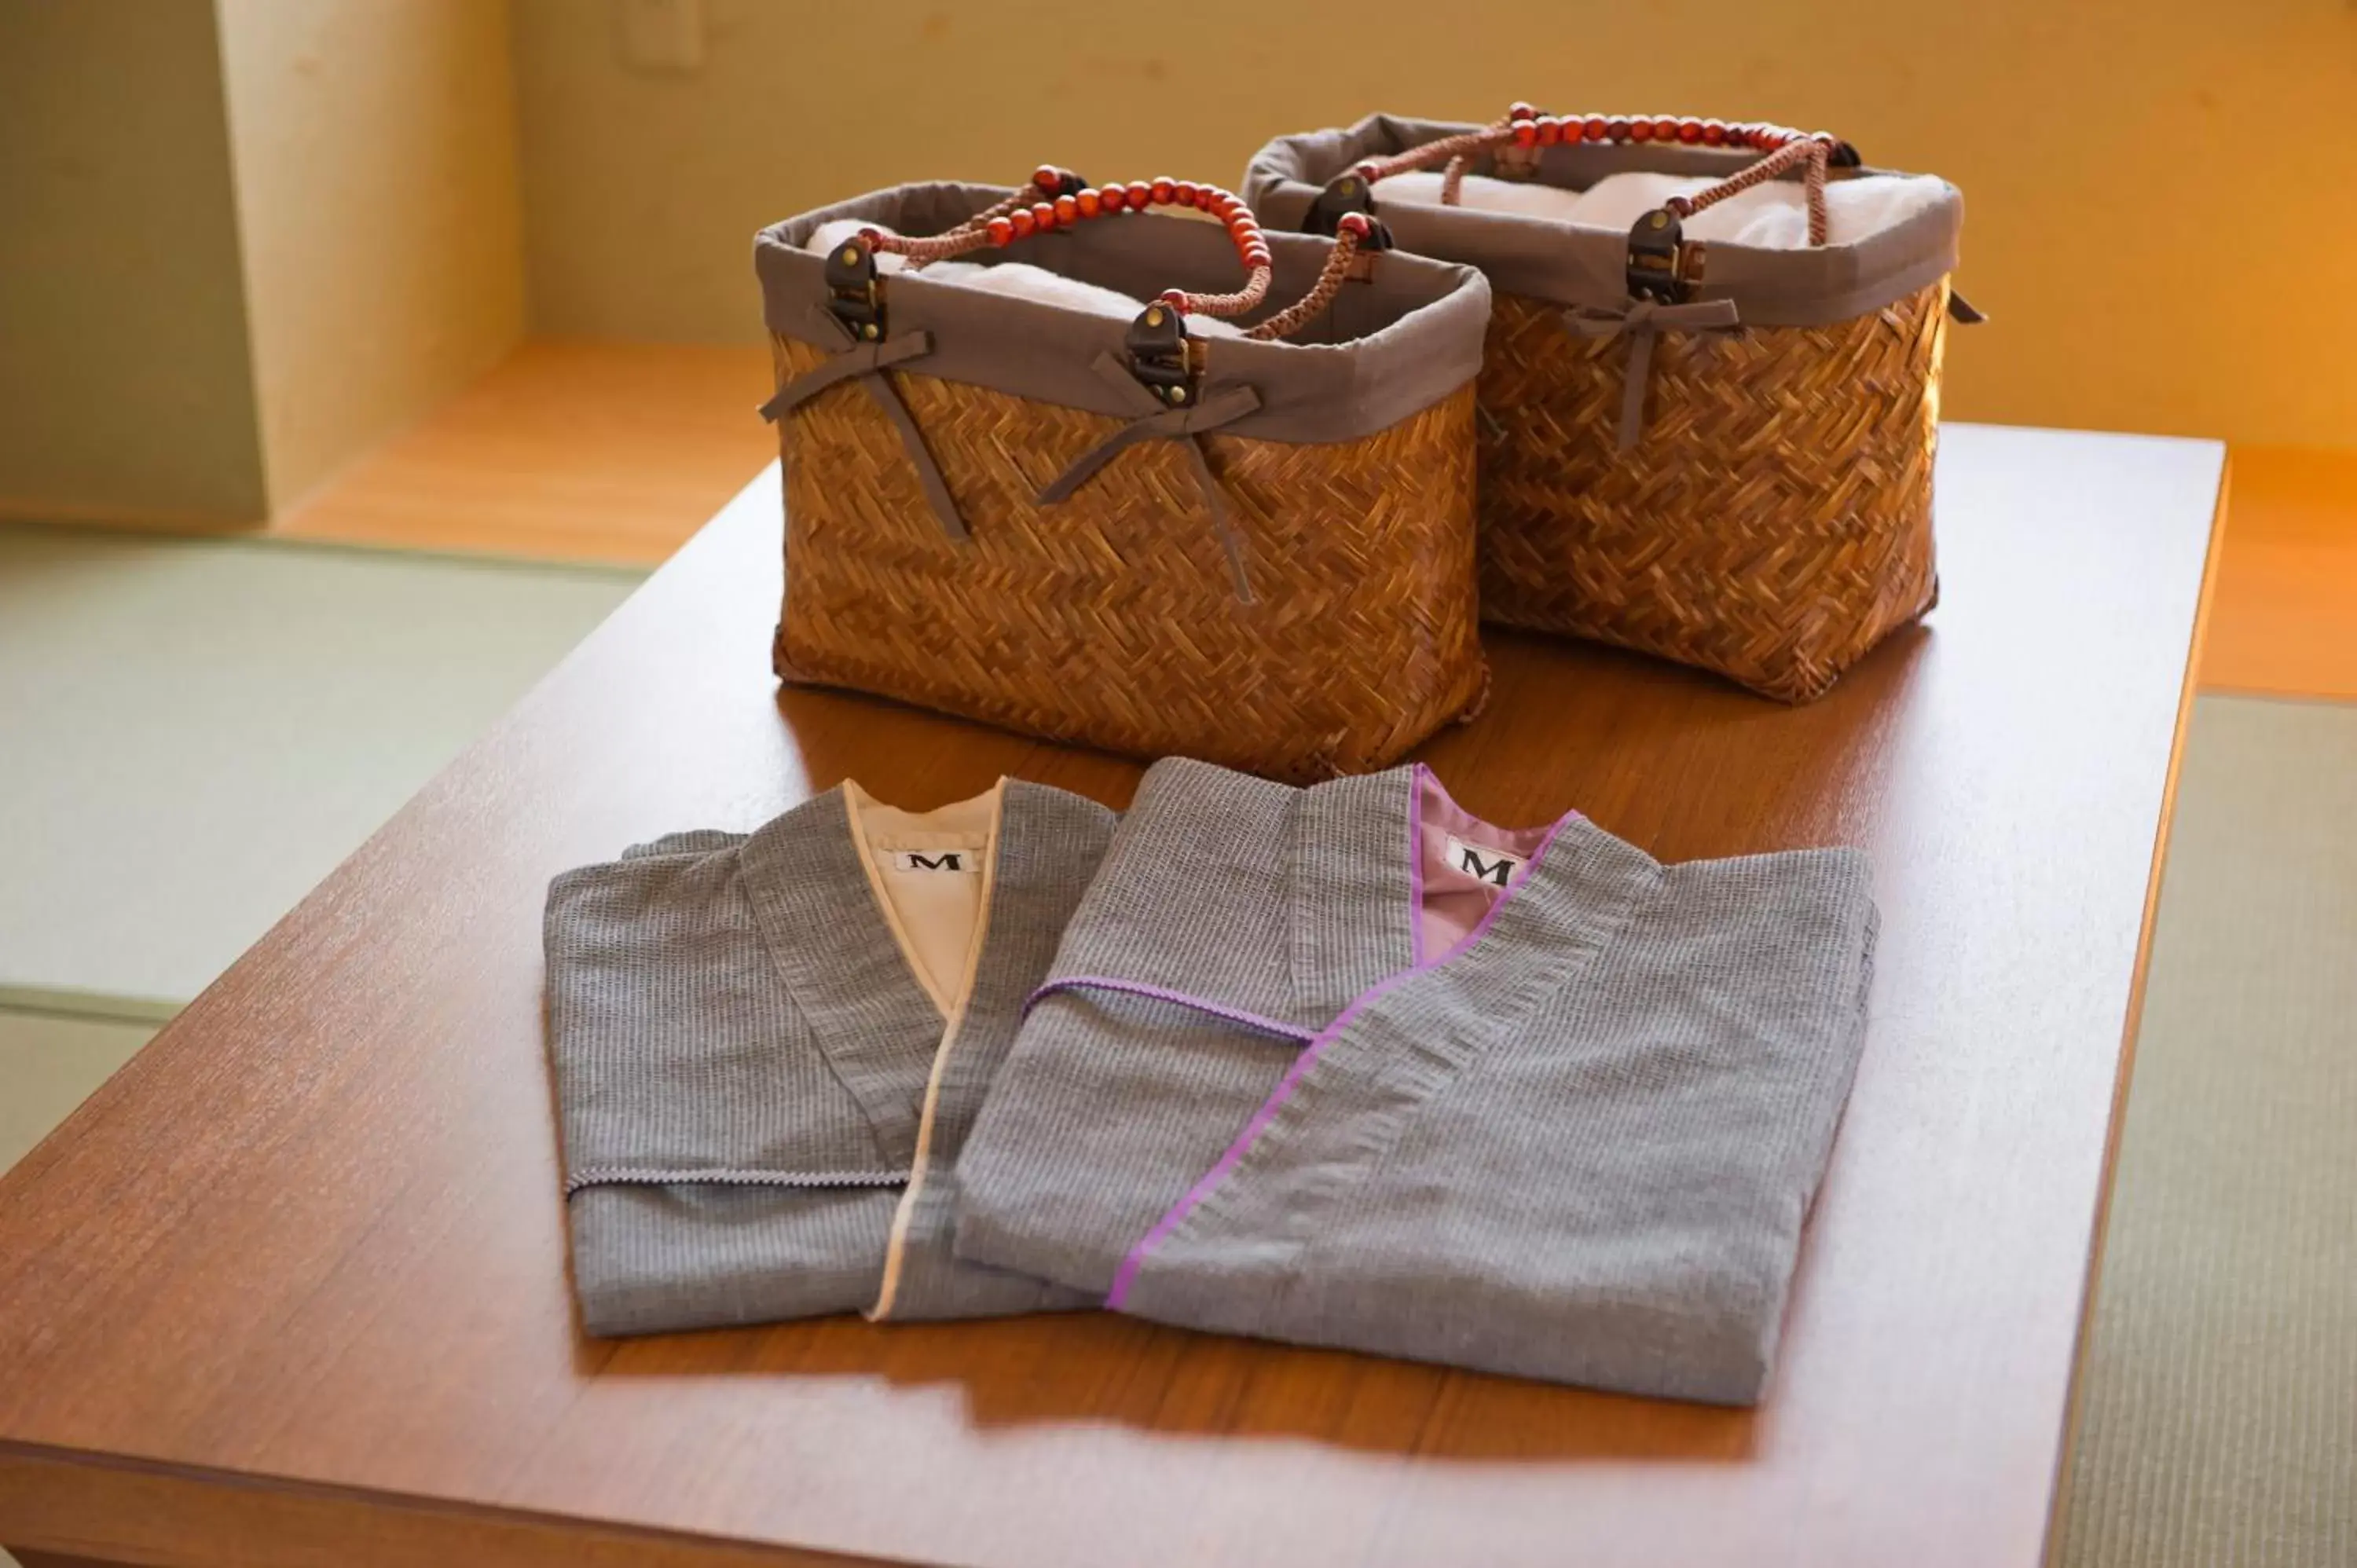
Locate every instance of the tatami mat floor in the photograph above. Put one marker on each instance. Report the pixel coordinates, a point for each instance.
(199, 730)
(2218, 1401)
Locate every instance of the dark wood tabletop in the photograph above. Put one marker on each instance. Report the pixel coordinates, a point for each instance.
(290, 1291)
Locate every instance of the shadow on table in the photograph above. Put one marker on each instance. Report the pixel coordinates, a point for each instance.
(1096, 1369)
(1567, 726)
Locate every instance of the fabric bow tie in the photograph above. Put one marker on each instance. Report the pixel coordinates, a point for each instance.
(1183, 425)
(866, 361)
(1641, 321)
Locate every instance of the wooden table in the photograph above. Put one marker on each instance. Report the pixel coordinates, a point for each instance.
(290, 1290)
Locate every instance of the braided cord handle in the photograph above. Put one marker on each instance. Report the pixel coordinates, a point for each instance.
(1524, 127)
(1057, 199)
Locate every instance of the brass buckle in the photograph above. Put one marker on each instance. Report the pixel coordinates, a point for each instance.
(854, 295)
(1159, 354)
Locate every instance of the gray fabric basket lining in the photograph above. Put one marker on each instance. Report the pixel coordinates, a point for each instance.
(1575, 266)
(1387, 348)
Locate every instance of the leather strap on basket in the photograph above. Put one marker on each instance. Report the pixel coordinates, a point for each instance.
(1642, 321)
(866, 360)
(1183, 425)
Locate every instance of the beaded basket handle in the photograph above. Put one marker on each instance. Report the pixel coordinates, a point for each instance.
(1658, 263)
(1059, 199)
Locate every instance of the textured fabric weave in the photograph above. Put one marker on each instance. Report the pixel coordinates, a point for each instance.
(735, 1007)
(1579, 1149)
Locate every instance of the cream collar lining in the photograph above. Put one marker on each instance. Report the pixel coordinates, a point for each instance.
(931, 875)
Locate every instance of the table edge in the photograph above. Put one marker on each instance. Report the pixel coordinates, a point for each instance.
(2057, 1493)
(110, 1508)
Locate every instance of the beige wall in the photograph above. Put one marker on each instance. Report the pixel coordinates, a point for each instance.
(2157, 192)
(124, 385)
(373, 143)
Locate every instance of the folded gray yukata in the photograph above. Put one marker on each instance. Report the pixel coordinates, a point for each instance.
(1345, 1066)
(768, 1049)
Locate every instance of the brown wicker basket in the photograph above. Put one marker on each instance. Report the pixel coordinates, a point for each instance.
(1718, 453)
(1278, 575)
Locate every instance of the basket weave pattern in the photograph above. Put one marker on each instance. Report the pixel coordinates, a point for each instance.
(1772, 523)
(1111, 619)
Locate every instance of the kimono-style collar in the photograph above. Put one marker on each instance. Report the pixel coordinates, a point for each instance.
(818, 916)
(833, 947)
(1354, 893)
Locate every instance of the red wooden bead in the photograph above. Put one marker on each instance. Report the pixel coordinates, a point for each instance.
(1140, 196)
(1597, 128)
(1043, 216)
(1551, 131)
(1522, 111)
(1714, 132)
(1164, 187)
(1665, 129)
(1256, 254)
(1175, 298)
(1244, 225)
(1183, 192)
(1001, 230)
(1019, 221)
(1526, 133)
(1689, 131)
(1616, 130)
(1067, 210)
(1353, 223)
(1112, 199)
(1048, 176)
(1641, 130)
(1090, 202)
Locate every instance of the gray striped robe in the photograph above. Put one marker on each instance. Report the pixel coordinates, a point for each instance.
(742, 1058)
(1580, 1148)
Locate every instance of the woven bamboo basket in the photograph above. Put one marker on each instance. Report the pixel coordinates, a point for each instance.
(1721, 454)
(1289, 589)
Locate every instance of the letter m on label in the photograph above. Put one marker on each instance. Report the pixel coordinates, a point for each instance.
(1480, 870)
(946, 861)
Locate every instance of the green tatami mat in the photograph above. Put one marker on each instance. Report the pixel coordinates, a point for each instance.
(2219, 1416)
(194, 732)
(48, 1065)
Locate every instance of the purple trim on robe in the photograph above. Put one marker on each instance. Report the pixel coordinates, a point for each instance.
(1126, 1275)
